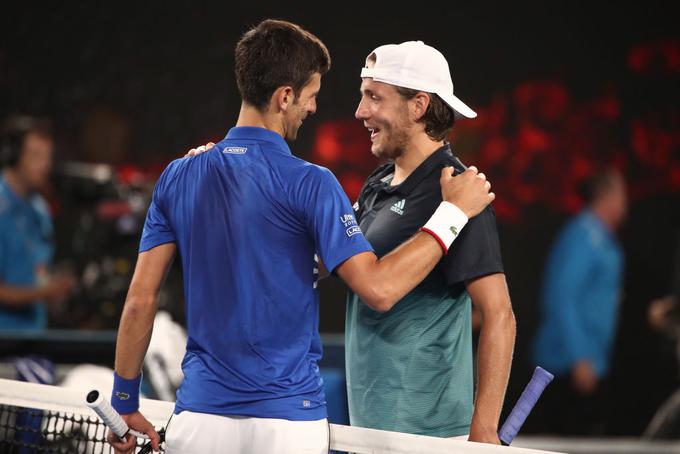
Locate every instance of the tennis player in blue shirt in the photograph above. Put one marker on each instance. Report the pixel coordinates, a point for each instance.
(248, 220)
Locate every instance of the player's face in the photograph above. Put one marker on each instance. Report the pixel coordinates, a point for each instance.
(385, 114)
(35, 161)
(304, 105)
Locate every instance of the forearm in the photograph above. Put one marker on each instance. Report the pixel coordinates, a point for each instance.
(134, 334)
(494, 359)
(14, 296)
(383, 282)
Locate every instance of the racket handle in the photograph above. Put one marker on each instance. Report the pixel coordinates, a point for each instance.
(539, 380)
(111, 418)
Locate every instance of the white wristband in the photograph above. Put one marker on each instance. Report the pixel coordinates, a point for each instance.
(445, 224)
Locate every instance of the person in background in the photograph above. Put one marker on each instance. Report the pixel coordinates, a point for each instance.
(579, 308)
(26, 235)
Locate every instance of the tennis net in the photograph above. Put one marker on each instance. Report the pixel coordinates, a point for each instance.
(49, 419)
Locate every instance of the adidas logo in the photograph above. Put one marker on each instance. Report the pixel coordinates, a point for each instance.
(399, 207)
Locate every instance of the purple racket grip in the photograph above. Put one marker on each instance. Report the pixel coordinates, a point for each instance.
(523, 407)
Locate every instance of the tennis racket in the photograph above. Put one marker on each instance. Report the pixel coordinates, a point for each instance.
(539, 380)
(113, 420)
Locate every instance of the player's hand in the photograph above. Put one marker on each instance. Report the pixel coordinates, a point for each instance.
(469, 190)
(583, 377)
(199, 150)
(135, 421)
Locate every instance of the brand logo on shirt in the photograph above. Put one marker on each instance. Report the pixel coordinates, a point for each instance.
(235, 150)
(399, 207)
(454, 230)
(353, 230)
(348, 220)
(315, 272)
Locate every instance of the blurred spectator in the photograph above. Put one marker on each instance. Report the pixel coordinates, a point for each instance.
(579, 308)
(26, 243)
(663, 315)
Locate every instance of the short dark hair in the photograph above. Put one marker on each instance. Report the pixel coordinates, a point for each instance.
(438, 119)
(277, 53)
(598, 184)
(13, 134)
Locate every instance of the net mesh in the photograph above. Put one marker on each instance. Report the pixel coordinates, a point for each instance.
(49, 419)
(27, 430)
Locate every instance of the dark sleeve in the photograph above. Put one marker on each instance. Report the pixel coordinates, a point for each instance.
(476, 252)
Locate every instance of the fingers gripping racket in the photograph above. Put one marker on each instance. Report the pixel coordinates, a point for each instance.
(539, 380)
(113, 420)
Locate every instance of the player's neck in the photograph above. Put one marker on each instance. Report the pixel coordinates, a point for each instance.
(418, 150)
(15, 182)
(250, 116)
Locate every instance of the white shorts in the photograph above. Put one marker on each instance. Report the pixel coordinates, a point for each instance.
(190, 433)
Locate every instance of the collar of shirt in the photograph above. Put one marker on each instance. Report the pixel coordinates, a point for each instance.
(255, 133)
(440, 158)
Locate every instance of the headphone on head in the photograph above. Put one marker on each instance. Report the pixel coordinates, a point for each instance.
(10, 148)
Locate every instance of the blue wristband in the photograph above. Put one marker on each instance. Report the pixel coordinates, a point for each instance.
(125, 394)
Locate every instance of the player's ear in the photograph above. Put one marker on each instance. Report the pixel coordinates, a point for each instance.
(418, 105)
(283, 97)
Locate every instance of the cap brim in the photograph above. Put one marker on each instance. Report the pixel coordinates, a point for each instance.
(457, 105)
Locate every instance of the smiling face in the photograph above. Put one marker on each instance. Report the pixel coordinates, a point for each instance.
(385, 114)
(302, 106)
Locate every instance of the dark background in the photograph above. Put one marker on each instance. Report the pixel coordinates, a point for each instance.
(562, 89)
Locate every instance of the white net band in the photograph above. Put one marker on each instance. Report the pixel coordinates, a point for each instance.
(70, 401)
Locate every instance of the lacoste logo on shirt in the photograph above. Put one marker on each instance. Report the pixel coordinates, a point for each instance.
(399, 207)
(235, 150)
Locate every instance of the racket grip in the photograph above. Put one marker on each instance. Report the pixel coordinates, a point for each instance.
(520, 412)
(105, 411)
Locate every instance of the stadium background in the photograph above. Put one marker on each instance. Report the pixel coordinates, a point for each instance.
(560, 87)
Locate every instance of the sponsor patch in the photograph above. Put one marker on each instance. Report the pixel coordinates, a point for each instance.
(235, 150)
(353, 230)
(348, 220)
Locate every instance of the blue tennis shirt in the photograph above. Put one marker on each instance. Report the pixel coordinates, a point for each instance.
(248, 218)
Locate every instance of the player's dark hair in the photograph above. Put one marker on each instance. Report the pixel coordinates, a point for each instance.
(13, 133)
(274, 54)
(438, 118)
(599, 183)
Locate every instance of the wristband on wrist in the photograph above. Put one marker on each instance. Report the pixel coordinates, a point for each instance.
(125, 394)
(445, 224)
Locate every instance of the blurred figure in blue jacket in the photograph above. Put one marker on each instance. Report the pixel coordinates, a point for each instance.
(26, 242)
(579, 307)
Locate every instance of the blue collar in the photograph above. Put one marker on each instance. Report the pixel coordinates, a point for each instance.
(255, 133)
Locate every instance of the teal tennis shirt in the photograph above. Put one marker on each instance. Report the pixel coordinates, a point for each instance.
(410, 369)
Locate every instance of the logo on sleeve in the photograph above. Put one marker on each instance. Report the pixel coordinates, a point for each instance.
(353, 230)
(235, 150)
(399, 207)
(348, 220)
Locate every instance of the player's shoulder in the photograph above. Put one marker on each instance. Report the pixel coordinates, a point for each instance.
(311, 173)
